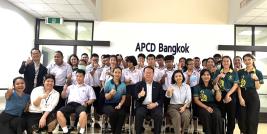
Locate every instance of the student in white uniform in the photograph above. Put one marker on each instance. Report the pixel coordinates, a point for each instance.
(105, 60)
(197, 64)
(160, 62)
(107, 73)
(121, 62)
(152, 63)
(192, 78)
(95, 70)
(80, 96)
(131, 75)
(168, 71)
(87, 79)
(141, 62)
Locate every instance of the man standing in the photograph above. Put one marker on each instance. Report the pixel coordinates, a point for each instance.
(149, 101)
(33, 71)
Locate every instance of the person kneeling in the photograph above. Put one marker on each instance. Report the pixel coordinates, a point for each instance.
(79, 95)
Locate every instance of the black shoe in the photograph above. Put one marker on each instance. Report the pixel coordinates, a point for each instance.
(89, 125)
(195, 132)
(60, 128)
(152, 129)
(71, 128)
(67, 133)
(167, 129)
(96, 125)
(142, 129)
(172, 130)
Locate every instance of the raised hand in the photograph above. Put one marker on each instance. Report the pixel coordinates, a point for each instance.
(112, 92)
(28, 61)
(142, 93)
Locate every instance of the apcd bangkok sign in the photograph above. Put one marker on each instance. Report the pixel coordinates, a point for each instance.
(160, 47)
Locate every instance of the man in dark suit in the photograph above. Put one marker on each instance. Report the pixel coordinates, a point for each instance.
(33, 71)
(149, 100)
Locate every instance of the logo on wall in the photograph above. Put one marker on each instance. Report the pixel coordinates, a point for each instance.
(160, 47)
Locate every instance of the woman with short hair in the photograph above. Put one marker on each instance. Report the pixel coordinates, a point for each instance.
(180, 95)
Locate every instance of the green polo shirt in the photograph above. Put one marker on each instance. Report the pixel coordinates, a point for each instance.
(228, 81)
(245, 80)
(204, 94)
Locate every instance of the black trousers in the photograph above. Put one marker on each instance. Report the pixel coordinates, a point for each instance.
(229, 109)
(130, 98)
(212, 122)
(61, 101)
(10, 124)
(156, 114)
(116, 117)
(249, 115)
(32, 121)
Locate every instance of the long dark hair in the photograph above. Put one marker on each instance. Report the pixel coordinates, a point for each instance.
(231, 63)
(251, 56)
(201, 82)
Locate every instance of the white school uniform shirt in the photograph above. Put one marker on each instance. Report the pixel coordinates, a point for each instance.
(168, 79)
(104, 76)
(148, 98)
(61, 72)
(135, 75)
(87, 78)
(181, 95)
(194, 78)
(157, 74)
(47, 104)
(80, 93)
(96, 76)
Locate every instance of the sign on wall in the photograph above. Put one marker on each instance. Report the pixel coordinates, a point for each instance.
(162, 48)
(180, 40)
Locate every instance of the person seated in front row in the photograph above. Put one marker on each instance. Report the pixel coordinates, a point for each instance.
(79, 96)
(180, 94)
(11, 121)
(41, 110)
(205, 96)
(149, 100)
(115, 96)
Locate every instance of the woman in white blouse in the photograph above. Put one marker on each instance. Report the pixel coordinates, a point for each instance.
(180, 95)
(41, 110)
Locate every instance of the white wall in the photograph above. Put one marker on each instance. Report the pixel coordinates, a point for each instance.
(17, 39)
(202, 39)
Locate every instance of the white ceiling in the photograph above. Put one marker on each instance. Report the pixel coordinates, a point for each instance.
(68, 9)
(255, 16)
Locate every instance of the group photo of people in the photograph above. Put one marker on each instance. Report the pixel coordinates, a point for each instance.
(117, 94)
